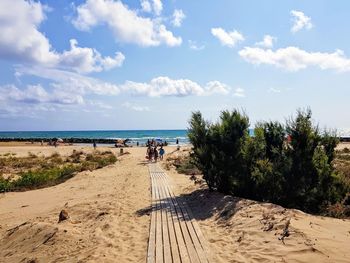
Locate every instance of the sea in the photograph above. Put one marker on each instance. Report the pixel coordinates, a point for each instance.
(140, 136)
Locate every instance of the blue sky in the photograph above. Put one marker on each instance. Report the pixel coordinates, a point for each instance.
(147, 64)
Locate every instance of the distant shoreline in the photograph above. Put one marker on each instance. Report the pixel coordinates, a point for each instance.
(91, 140)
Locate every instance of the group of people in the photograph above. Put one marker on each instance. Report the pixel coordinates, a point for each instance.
(153, 153)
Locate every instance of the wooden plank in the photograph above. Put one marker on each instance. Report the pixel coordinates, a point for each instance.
(165, 229)
(185, 232)
(190, 223)
(152, 232)
(175, 234)
(200, 251)
(173, 244)
(199, 233)
(159, 235)
(184, 256)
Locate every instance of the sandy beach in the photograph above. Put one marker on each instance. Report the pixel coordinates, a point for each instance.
(108, 222)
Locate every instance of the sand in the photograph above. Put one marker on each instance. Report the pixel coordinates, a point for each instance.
(109, 221)
(102, 205)
(241, 230)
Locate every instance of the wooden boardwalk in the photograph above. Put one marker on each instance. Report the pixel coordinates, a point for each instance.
(174, 234)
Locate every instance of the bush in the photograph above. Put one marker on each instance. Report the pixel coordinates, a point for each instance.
(295, 170)
(217, 150)
(5, 185)
(44, 177)
(36, 172)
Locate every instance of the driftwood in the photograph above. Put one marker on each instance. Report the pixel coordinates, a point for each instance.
(285, 232)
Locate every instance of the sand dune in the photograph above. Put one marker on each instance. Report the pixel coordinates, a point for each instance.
(103, 224)
(240, 230)
(109, 221)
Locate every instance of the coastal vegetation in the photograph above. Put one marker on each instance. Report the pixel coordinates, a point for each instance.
(293, 164)
(32, 171)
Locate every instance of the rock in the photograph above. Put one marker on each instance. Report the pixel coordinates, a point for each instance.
(63, 216)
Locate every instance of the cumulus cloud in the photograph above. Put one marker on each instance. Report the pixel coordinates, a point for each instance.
(178, 17)
(20, 37)
(135, 107)
(126, 25)
(230, 38)
(266, 42)
(193, 45)
(164, 86)
(84, 60)
(34, 94)
(294, 58)
(146, 6)
(70, 81)
(239, 92)
(64, 90)
(157, 87)
(157, 7)
(274, 90)
(22, 41)
(300, 21)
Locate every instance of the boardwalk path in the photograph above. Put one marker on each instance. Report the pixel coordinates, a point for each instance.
(174, 234)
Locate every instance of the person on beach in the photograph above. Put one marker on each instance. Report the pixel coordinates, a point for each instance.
(149, 153)
(161, 153)
(94, 145)
(155, 153)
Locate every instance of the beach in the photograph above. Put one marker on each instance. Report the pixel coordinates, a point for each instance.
(109, 222)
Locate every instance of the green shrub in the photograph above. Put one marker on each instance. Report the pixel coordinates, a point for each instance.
(44, 177)
(297, 172)
(217, 150)
(5, 185)
(36, 172)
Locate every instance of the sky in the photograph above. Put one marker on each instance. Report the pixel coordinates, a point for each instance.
(147, 64)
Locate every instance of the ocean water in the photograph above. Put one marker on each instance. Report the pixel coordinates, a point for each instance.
(140, 136)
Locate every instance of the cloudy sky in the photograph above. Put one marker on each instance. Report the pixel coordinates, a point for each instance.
(146, 64)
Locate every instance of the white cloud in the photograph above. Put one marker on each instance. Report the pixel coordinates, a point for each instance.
(126, 25)
(178, 17)
(85, 60)
(266, 42)
(300, 21)
(294, 58)
(229, 39)
(20, 38)
(146, 6)
(273, 90)
(135, 107)
(22, 41)
(99, 104)
(69, 81)
(157, 87)
(164, 86)
(157, 7)
(193, 45)
(37, 94)
(33, 100)
(239, 92)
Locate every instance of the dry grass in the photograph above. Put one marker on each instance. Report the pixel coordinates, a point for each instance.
(31, 172)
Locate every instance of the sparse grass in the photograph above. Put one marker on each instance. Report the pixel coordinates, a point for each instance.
(33, 172)
(182, 164)
(342, 165)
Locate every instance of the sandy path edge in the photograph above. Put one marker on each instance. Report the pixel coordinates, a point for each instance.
(103, 205)
(241, 230)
